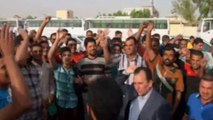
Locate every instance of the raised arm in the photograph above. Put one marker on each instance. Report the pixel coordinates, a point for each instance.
(22, 50)
(140, 31)
(51, 54)
(41, 28)
(141, 47)
(18, 86)
(104, 45)
(149, 50)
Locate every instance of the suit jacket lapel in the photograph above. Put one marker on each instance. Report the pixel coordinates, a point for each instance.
(148, 104)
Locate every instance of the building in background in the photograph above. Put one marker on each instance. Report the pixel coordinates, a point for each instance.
(64, 14)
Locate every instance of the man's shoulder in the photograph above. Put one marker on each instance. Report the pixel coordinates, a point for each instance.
(159, 100)
(193, 97)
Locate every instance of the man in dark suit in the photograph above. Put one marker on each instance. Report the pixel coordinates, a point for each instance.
(148, 105)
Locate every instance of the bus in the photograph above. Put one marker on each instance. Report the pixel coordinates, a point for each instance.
(15, 24)
(74, 26)
(123, 24)
(205, 29)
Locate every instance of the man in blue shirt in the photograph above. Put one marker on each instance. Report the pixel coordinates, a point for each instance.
(200, 104)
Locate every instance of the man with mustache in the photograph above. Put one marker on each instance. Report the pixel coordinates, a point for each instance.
(169, 79)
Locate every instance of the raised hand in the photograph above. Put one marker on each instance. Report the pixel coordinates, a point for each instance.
(150, 26)
(103, 40)
(47, 19)
(130, 32)
(24, 34)
(131, 69)
(60, 35)
(6, 41)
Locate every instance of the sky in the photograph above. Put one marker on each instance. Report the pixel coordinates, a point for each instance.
(81, 8)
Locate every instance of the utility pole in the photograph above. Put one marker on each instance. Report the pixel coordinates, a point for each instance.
(152, 4)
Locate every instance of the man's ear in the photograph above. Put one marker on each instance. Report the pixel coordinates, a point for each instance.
(90, 112)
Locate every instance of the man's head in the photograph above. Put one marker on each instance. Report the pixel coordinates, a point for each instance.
(32, 33)
(198, 44)
(44, 38)
(142, 80)
(104, 99)
(156, 35)
(90, 45)
(183, 44)
(116, 49)
(65, 55)
(206, 88)
(116, 41)
(155, 44)
(195, 59)
(130, 46)
(72, 44)
(65, 31)
(36, 52)
(68, 36)
(169, 55)
(191, 39)
(165, 39)
(45, 47)
(118, 34)
(52, 37)
(89, 34)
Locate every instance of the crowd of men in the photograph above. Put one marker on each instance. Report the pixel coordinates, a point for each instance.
(145, 77)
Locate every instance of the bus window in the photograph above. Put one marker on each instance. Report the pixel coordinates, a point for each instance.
(206, 26)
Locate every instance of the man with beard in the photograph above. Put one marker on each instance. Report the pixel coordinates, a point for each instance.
(169, 79)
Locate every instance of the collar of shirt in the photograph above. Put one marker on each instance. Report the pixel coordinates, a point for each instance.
(198, 97)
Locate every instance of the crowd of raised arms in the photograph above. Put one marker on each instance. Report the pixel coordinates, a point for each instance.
(145, 77)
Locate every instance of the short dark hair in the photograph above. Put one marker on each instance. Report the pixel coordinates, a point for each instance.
(68, 34)
(64, 49)
(184, 40)
(35, 45)
(169, 47)
(155, 40)
(65, 30)
(46, 38)
(147, 71)
(89, 31)
(191, 37)
(132, 38)
(156, 35)
(53, 34)
(88, 40)
(165, 37)
(71, 39)
(118, 32)
(207, 77)
(196, 53)
(116, 39)
(105, 98)
(44, 41)
(197, 41)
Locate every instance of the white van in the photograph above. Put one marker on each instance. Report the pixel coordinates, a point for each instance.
(205, 29)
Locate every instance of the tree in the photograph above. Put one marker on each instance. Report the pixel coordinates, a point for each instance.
(205, 7)
(186, 9)
(30, 17)
(120, 13)
(140, 13)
